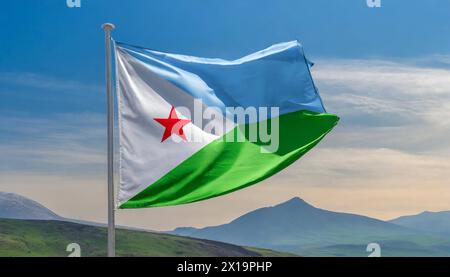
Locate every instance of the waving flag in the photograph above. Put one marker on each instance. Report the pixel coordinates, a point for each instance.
(194, 128)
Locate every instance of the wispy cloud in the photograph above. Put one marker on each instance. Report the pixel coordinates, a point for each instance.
(61, 144)
(374, 87)
(387, 104)
(39, 81)
(370, 167)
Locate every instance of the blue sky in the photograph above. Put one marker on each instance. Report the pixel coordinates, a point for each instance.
(49, 39)
(383, 70)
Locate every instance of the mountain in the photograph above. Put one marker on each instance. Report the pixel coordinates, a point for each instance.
(14, 206)
(294, 226)
(19, 238)
(298, 227)
(19, 207)
(437, 223)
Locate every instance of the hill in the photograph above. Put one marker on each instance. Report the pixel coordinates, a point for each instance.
(437, 223)
(26, 238)
(19, 207)
(298, 227)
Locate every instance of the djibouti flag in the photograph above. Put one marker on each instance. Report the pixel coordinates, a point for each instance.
(194, 128)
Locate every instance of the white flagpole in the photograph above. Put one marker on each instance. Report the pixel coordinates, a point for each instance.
(107, 27)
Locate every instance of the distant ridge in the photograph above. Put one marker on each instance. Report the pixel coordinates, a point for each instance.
(437, 223)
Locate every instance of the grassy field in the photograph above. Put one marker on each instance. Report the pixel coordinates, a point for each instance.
(28, 238)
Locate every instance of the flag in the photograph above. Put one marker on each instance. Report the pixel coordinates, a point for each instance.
(194, 128)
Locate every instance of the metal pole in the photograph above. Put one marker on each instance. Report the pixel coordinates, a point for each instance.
(107, 27)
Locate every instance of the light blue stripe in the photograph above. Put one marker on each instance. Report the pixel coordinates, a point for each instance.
(277, 76)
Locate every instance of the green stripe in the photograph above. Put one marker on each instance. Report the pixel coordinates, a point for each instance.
(222, 167)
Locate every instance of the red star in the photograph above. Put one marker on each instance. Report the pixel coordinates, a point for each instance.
(173, 125)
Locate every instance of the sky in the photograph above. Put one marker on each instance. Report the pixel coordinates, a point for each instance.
(385, 71)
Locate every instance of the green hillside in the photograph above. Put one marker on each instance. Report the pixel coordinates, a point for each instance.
(50, 238)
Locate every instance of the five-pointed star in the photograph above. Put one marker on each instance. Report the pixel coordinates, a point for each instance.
(173, 125)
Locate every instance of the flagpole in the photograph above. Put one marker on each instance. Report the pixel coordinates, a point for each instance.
(107, 27)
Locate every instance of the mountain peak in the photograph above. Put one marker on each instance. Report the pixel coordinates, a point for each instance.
(295, 202)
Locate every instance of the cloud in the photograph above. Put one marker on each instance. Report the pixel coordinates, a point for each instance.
(350, 167)
(65, 144)
(387, 104)
(434, 61)
(383, 88)
(39, 81)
